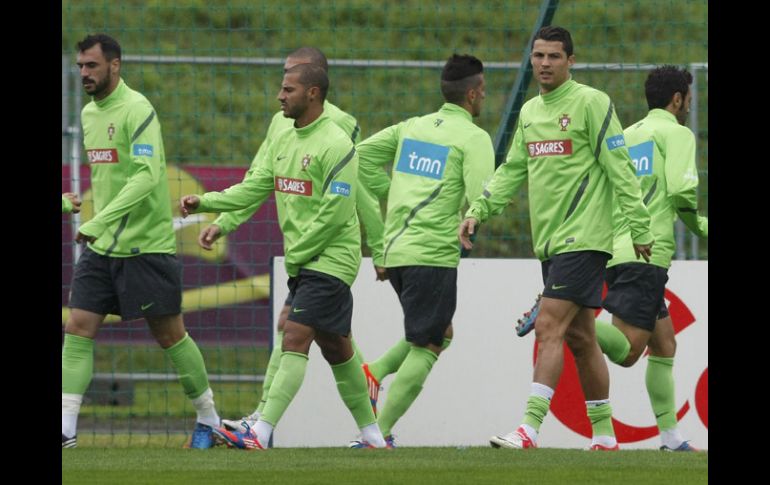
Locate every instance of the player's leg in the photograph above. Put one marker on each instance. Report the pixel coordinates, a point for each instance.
(660, 385)
(428, 297)
(634, 294)
(152, 288)
(351, 384)
(92, 297)
(594, 379)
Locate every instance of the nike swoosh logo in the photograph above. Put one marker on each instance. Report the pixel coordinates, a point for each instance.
(281, 157)
(659, 415)
(526, 125)
(145, 307)
(297, 310)
(558, 287)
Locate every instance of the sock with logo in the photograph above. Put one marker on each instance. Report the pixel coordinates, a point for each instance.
(351, 384)
(406, 386)
(613, 343)
(660, 387)
(77, 369)
(538, 403)
(188, 362)
(286, 384)
(272, 368)
(600, 414)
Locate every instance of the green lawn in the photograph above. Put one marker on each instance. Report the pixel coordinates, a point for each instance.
(404, 465)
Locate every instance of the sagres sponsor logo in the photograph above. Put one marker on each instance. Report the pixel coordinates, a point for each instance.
(102, 155)
(548, 148)
(641, 156)
(422, 158)
(340, 188)
(293, 186)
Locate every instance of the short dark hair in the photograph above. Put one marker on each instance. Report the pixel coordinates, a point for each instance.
(314, 54)
(110, 46)
(663, 82)
(554, 33)
(460, 73)
(311, 75)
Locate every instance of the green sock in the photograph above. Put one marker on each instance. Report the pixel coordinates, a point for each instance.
(660, 388)
(601, 419)
(351, 384)
(77, 364)
(390, 361)
(613, 343)
(285, 386)
(272, 368)
(357, 352)
(537, 408)
(406, 386)
(188, 362)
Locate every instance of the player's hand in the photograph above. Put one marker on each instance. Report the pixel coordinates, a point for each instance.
(73, 197)
(188, 204)
(208, 236)
(382, 273)
(466, 230)
(643, 250)
(82, 238)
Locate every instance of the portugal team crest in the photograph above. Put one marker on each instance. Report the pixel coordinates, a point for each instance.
(111, 131)
(305, 161)
(564, 121)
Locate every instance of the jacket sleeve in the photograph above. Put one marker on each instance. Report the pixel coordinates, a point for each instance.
(506, 180)
(230, 221)
(682, 180)
(608, 144)
(374, 152)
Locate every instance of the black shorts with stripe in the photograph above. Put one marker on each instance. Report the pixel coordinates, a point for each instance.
(576, 276)
(635, 294)
(428, 296)
(145, 285)
(320, 301)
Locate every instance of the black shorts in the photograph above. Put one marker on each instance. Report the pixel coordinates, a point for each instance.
(321, 301)
(147, 285)
(576, 276)
(289, 300)
(635, 294)
(428, 296)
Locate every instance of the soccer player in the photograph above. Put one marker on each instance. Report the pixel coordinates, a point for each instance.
(663, 152)
(227, 222)
(129, 266)
(70, 203)
(569, 146)
(313, 168)
(439, 160)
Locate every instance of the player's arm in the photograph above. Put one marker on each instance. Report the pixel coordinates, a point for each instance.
(682, 180)
(145, 158)
(231, 220)
(370, 215)
(338, 206)
(70, 202)
(608, 144)
(506, 180)
(251, 192)
(374, 152)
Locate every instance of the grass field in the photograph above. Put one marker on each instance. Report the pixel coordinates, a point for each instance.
(404, 465)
